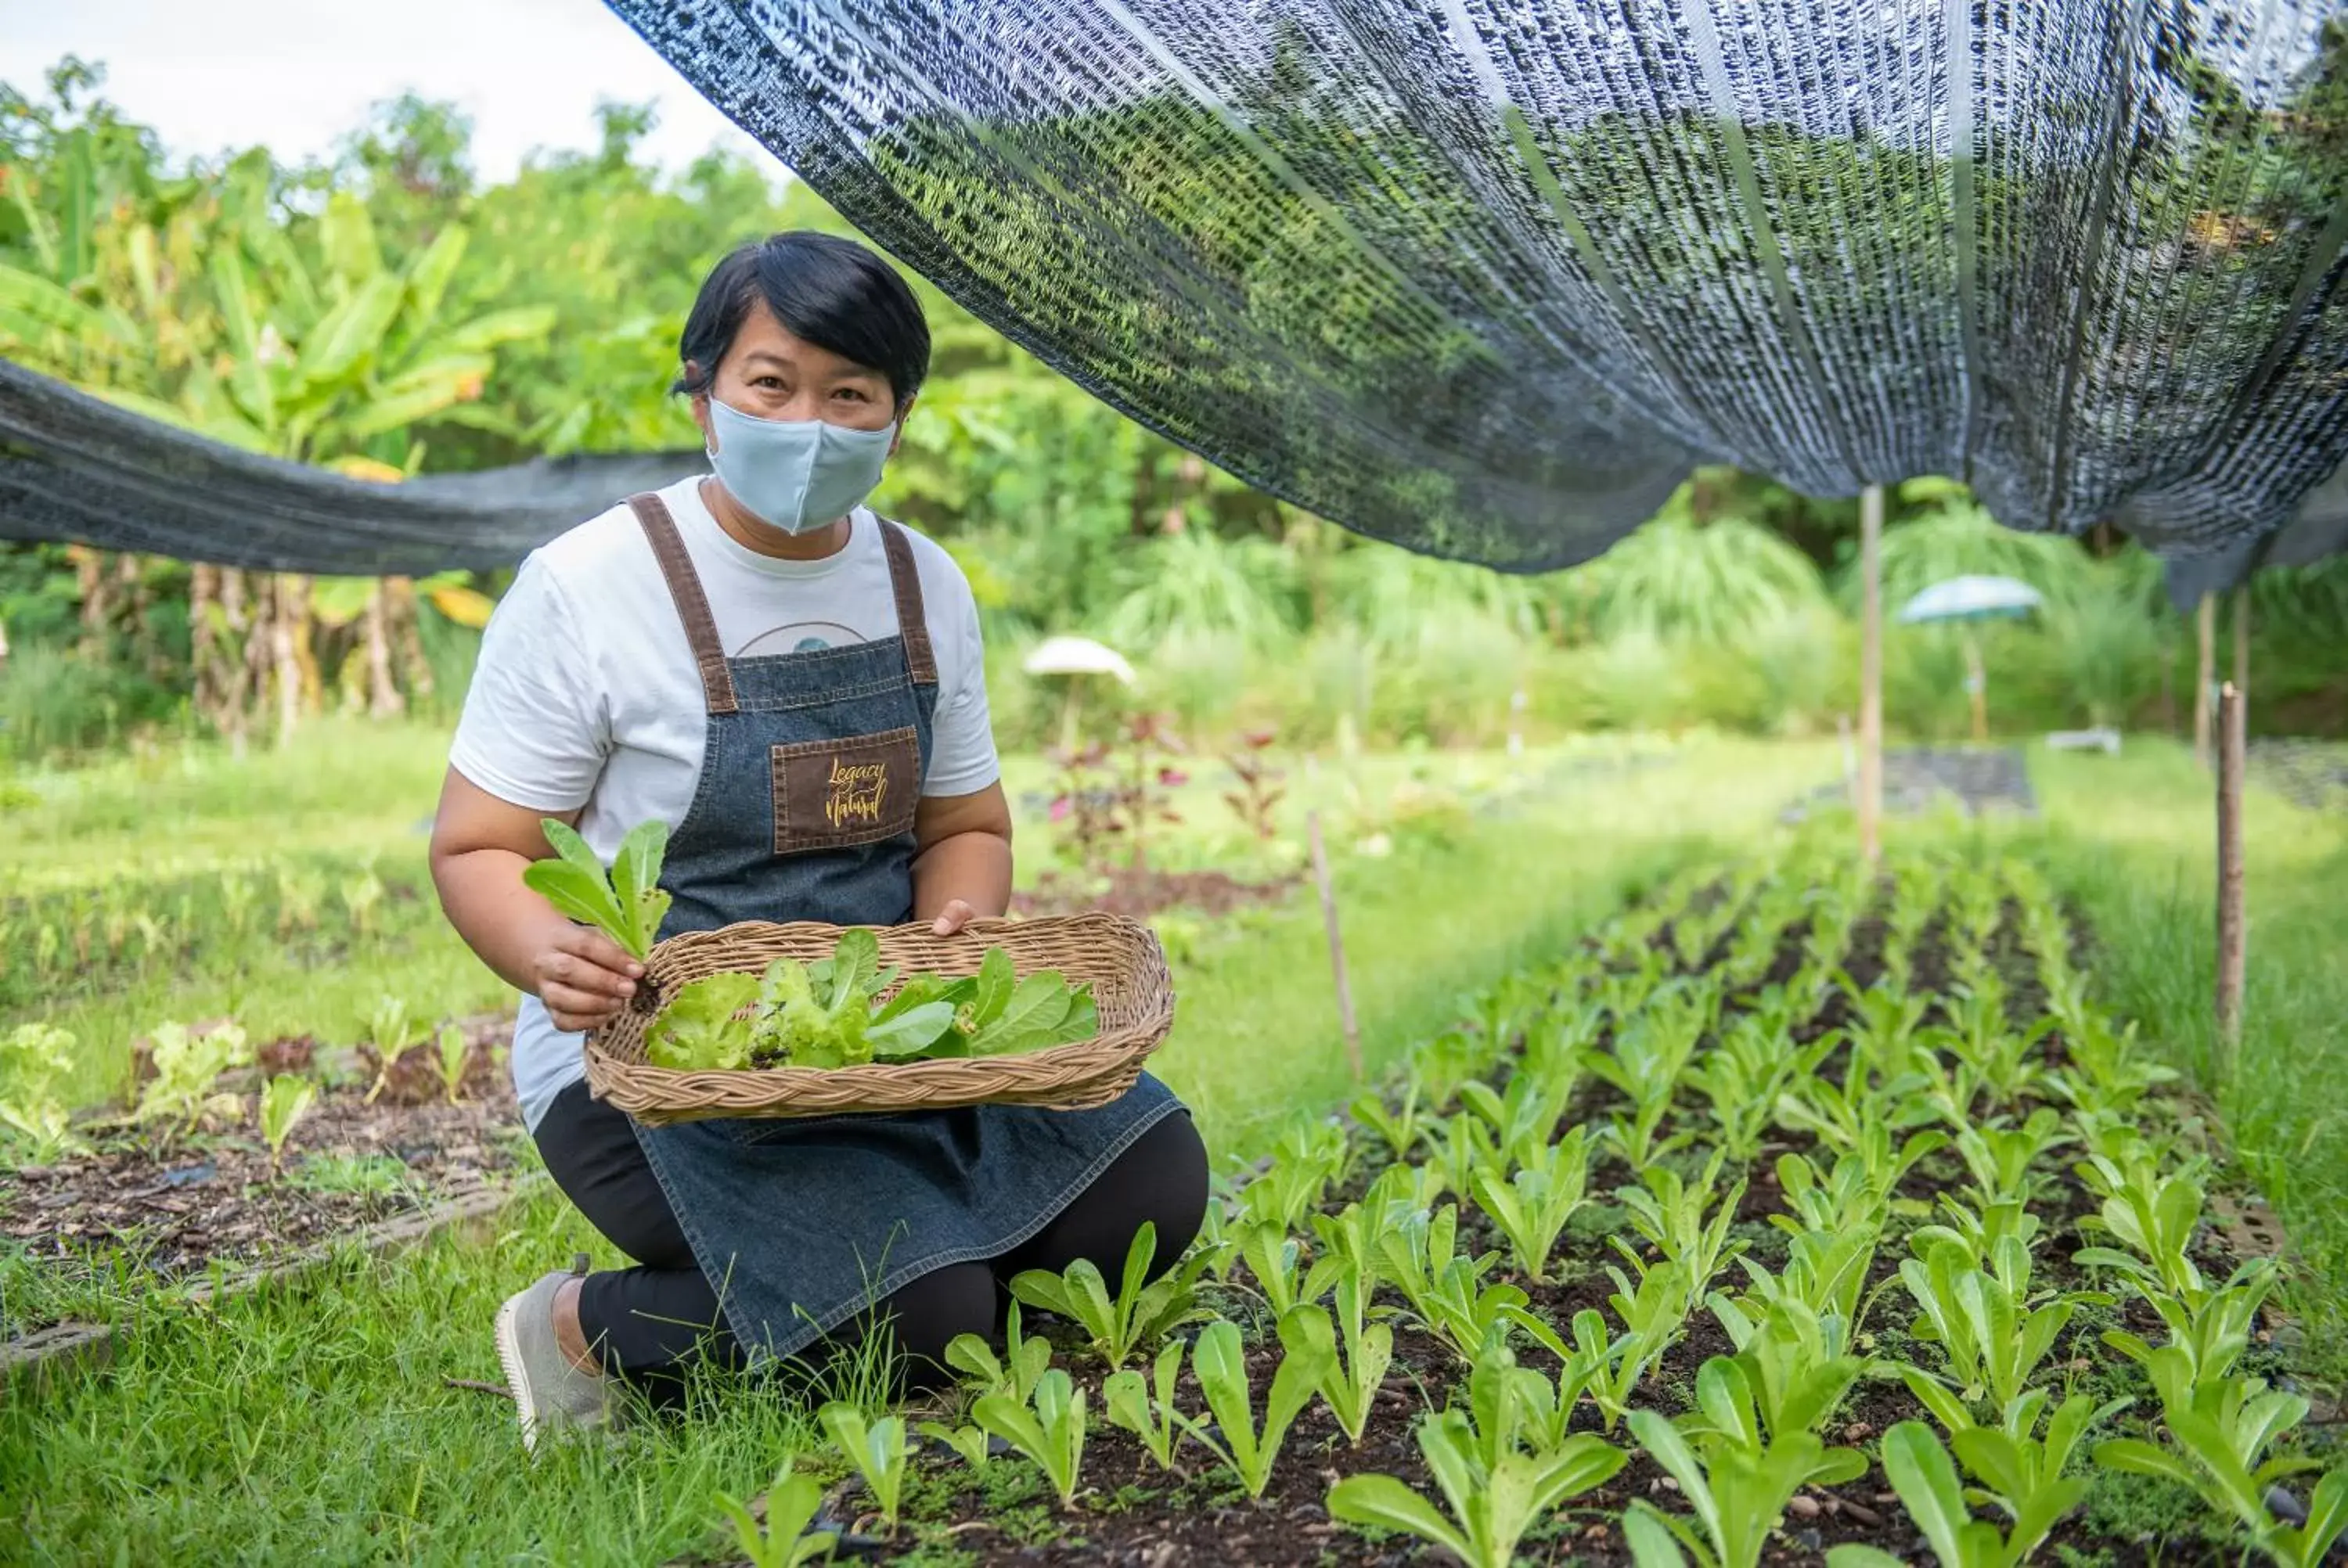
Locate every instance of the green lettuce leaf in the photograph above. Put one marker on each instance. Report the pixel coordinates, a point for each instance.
(992, 991)
(1029, 1019)
(697, 1030)
(911, 1032)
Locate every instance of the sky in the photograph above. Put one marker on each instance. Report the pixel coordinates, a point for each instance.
(297, 75)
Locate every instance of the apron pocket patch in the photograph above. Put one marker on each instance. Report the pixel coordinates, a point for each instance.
(830, 794)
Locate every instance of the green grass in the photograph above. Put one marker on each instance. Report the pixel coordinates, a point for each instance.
(311, 1422)
(345, 795)
(311, 1425)
(345, 786)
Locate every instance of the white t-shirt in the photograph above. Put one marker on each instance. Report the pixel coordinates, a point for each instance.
(586, 693)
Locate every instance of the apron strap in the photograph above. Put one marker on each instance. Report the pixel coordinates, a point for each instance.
(912, 620)
(692, 604)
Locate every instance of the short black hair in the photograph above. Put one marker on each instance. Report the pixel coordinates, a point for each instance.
(834, 293)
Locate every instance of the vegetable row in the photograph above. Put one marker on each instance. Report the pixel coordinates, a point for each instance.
(1925, 1136)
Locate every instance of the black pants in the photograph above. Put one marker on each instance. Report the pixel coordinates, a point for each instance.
(646, 1323)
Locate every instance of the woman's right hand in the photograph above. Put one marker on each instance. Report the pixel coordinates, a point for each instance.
(584, 977)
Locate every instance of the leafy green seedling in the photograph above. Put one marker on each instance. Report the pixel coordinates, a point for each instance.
(1993, 1341)
(1220, 1363)
(1738, 1494)
(362, 894)
(1492, 1506)
(1533, 1209)
(784, 1541)
(1438, 1067)
(1215, 1242)
(2021, 1473)
(33, 1057)
(1921, 1473)
(2212, 1332)
(1456, 1149)
(1141, 1313)
(1018, 1370)
(299, 891)
(36, 1053)
(1049, 1430)
(452, 1061)
(1146, 1407)
(283, 1103)
(1671, 1216)
(627, 904)
(2154, 1217)
(1464, 1311)
(1523, 1120)
(1399, 1125)
(970, 1442)
(2221, 1430)
(1349, 1240)
(392, 1034)
(1825, 1274)
(42, 1126)
(876, 1448)
(1979, 1229)
(2105, 1069)
(1305, 1161)
(1353, 1371)
(1883, 1018)
(186, 1065)
(2008, 1062)
(1609, 1369)
(1276, 1261)
(1795, 1363)
(1855, 1191)
(1419, 1251)
(1845, 1115)
(2007, 1161)
(1745, 1075)
(1547, 1409)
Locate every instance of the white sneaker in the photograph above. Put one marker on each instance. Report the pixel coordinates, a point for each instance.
(548, 1392)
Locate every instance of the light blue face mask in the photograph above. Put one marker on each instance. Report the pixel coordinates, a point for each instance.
(796, 475)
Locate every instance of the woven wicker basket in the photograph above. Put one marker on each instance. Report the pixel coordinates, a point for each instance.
(1121, 959)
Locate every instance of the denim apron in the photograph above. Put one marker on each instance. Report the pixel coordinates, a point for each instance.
(810, 772)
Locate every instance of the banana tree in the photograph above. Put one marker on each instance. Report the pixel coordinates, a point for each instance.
(209, 313)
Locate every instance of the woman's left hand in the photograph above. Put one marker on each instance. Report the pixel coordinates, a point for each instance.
(952, 917)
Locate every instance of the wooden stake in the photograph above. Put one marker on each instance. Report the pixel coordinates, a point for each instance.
(2205, 626)
(1320, 878)
(2168, 690)
(1871, 674)
(1977, 686)
(2231, 923)
(2243, 652)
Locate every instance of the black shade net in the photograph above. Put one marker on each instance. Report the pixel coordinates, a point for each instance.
(1487, 278)
(74, 467)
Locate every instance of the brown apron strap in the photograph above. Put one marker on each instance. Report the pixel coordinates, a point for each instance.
(912, 620)
(692, 604)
